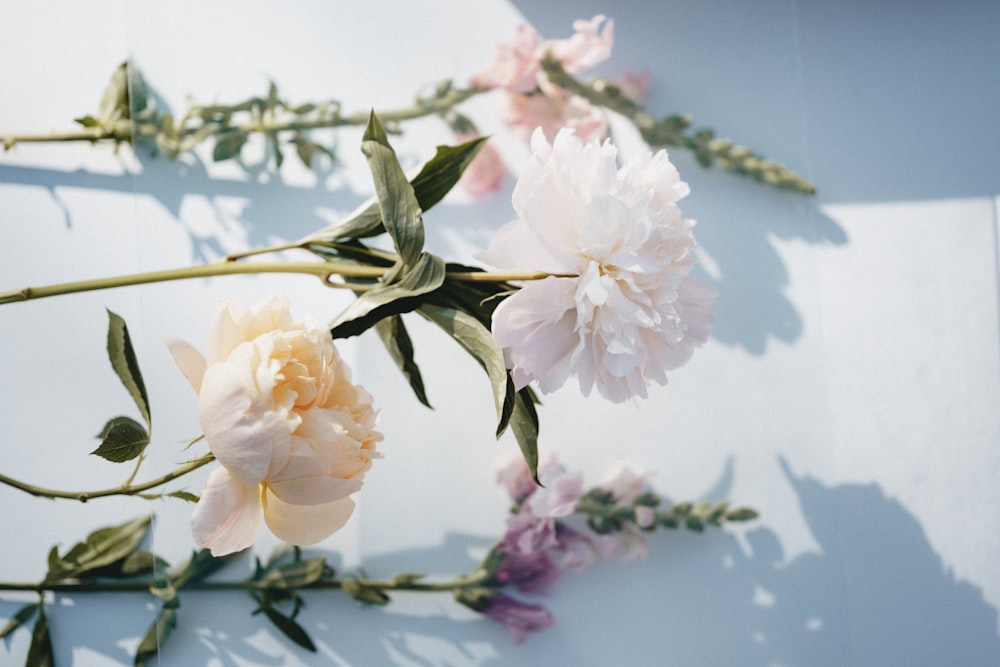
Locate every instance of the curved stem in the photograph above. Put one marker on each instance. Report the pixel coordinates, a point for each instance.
(126, 489)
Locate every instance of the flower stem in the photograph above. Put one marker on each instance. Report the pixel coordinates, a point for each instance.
(127, 489)
(402, 584)
(323, 270)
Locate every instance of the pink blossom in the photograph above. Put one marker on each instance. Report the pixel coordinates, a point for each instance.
(628, 309)
(485, 174)
(531, 573)
(575, 551)
(553, 110)
(517, 65)
(634, 85)
(520, 618)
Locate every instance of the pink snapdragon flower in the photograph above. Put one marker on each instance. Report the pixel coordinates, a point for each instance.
(532, 100)
(520, 618)
(627, 310)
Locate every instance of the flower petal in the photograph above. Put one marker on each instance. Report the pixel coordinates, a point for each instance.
(241, 430)
(302, 525)
(188, 359)
(227, 515)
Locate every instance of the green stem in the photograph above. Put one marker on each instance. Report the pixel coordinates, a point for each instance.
(323, 270)
(463, 581)
(126, 489)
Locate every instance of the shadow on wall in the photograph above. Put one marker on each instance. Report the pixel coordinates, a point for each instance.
(875, 594)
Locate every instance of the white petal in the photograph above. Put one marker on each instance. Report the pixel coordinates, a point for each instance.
(314, 490)
(241, 430)
(302, 525)
(227, 516)
(188, 359)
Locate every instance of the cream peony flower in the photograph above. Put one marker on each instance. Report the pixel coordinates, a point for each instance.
(631, 312)
(279, 412)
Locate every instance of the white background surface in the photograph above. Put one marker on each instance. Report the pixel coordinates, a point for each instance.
(850, 391)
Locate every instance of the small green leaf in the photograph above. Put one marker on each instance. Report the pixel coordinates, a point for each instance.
(289, 628)
(123, 440)
(141, 562)
(184, 495)
(102, 548)
(297, 574)
(157, 634)
(307, 150)
(124, 361)
(477, 340)
(524, 423)
(40, 651)
(279, 157)
(397, 341)
(22, 616)
(228, 144)
(87, 121)
(396, 198)
(741, 514)
(398, 295)
(114, 101)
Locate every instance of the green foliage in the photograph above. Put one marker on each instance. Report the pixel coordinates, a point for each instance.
(396, 339)
(148, 651)
(124, 361)
(101, 549)
(23, 615)
(122, 439)
(40, 650)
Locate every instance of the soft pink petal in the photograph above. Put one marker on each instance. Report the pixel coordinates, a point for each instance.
(302, 525)
(314, 490)
(227, 516)
(188, 359)
(239, 427)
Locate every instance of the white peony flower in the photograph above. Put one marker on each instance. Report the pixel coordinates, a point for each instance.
(279, 412)
(631, 311)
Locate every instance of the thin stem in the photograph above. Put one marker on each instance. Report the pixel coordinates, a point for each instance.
(126, 489)
(462, 581)
(323, 270)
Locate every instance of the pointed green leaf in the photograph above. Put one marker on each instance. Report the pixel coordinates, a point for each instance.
(40, 651)
(396, 296)
(228, 144)
(477, 340)
(102, 548)
(441, 173)
(307, 150)
(184, 495)
(22, 616)
(157, 635)
(114, 101)
(87, 121)
(289, 628)
(397, 341)
(524, 423)
(396, 199)
(436, 178)
(123, 440)
(124, 361)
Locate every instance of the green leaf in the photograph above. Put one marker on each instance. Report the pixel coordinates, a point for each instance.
(477, 340)
(22, 616)
(397, 341)
(396, 199)
(398, 295)
(307, 150)
(297, 574)
(123, 440)
(157, 634)
(184, 495)
(114, 101)
(442, 172)
(289, 627)
(228, 144)
(40, 651)
(741, 514)
(124, 361)
(279, 157)
(524, 423)
(141, 562)
(102, 548)
(87, 121)
(436, 178)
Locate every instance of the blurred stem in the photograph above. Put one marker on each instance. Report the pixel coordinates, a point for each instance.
(127, 489)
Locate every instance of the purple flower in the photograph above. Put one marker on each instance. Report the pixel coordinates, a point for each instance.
(575, 551)
(534, 573)
(528, 534)
(519, 618)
